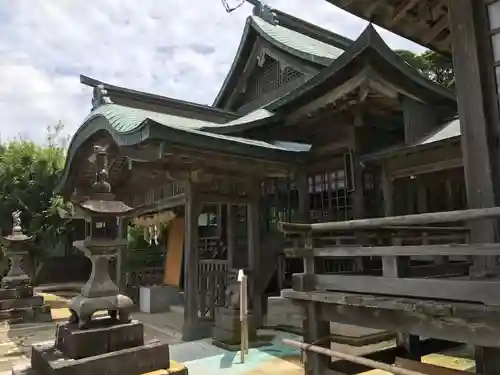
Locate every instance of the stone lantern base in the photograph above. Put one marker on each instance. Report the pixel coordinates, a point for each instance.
(105, 347)
(227, 329)
(20, 305)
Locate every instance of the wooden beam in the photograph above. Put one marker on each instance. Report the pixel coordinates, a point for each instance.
(437, 166)
(368, 77)
(420, 219)
(400, 11)
(438, 27)
(226, 199)
(428, 250)
(162, 205)
(414, 322)
(372, 8)
(484, 291)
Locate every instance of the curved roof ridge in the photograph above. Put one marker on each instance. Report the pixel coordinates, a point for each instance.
(369, 38)
(292, 35)
(157, 99)
(314, 31)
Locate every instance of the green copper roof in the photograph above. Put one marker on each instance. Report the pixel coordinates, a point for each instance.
(298, 42)
(129, 126)
(310, 43)
(127, 119)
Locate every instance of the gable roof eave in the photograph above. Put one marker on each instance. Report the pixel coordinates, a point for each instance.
(315, 59)
(244, 41)
(329, 45)
(369, 39)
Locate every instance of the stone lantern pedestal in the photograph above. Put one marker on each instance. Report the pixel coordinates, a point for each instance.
(112, 345)
(18, 304)
(100, 292)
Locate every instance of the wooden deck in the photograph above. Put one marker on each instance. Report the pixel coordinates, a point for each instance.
(441, 288)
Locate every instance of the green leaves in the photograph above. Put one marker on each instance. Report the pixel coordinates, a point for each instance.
(436, 67)
(29, 173)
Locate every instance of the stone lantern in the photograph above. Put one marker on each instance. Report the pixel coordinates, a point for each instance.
(103, 240)
(105, 345)
(16, 248)
(17, 301)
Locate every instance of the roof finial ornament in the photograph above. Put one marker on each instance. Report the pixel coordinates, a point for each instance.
(99, 96)
(264, 11)
(260, 10)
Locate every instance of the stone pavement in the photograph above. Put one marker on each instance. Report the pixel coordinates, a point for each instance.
(200, 357)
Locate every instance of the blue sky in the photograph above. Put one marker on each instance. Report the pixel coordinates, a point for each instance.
(177, 48)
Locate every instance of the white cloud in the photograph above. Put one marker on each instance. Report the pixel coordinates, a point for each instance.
(177, 48)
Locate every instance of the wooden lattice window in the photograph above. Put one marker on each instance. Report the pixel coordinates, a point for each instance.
(267, 78)
(289, 74)
(330, 199)
(494, 24)
(280, 201)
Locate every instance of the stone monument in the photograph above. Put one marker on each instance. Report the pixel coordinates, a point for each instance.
(107, 345)
(227, 328)
(18, 304)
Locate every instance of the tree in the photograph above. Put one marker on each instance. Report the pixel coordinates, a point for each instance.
(432, 65)
(29, 173)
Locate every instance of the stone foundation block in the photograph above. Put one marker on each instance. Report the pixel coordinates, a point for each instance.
(20, 292)
(16, 303)
(103, 336)
(27, 314)
(227, 327)
(47, 360)
(12, 282)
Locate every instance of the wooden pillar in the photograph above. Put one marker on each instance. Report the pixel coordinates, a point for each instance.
(487, 361)
(396, 267)
(357, 169)
(479, 121)
(422, 194)
(191, 262)
(254, 256)
(230, 213)
(387, 191)
(304, 197)
(480, 126)
(316, 331)
(410, 345)
(120, 256)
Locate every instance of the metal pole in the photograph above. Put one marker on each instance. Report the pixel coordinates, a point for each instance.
(352, 358)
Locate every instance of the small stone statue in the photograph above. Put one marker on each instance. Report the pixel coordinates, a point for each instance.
(232, 293)
(16, 221)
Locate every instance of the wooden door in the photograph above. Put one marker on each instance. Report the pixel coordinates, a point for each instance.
(175, 246)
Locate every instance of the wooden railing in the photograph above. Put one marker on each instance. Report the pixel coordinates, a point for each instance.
(435, 268)
(212, 286)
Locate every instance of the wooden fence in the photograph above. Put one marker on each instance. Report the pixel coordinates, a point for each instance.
(435, 268)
